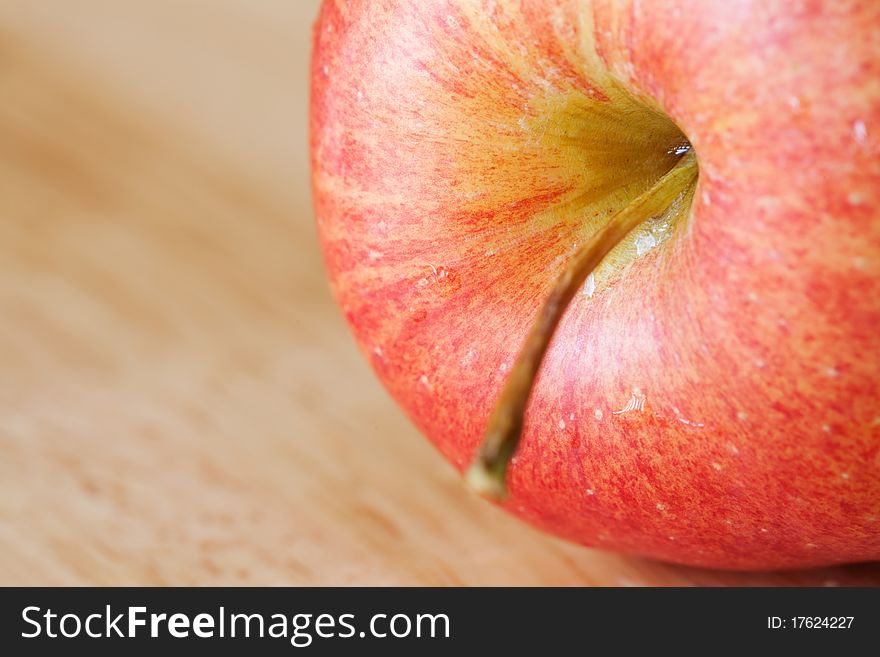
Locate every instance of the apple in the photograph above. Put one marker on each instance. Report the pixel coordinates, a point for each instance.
(622, 256)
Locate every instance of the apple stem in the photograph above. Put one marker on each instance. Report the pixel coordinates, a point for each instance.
(487, 473)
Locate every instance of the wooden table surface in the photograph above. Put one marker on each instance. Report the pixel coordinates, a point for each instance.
(180, 402)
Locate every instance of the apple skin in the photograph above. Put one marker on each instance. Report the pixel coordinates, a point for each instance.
(744, 352)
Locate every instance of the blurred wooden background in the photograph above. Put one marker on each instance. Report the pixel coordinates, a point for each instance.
(179, 400)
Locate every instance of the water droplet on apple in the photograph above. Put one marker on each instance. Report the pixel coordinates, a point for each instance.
(660, 227)
(644, 242)
(589, 286)
(441, 280)
(860, 131)
(684, 420)
(636, 403)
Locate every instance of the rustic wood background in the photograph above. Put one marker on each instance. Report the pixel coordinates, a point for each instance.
(180, 402)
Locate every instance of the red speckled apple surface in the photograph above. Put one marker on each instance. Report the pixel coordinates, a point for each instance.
(712, 398)
(180, 402)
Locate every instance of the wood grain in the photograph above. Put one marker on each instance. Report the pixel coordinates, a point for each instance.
(179, 400)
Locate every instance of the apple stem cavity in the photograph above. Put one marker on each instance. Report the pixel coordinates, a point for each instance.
(487, 474)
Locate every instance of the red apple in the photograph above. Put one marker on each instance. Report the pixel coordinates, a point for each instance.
(711, 394)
